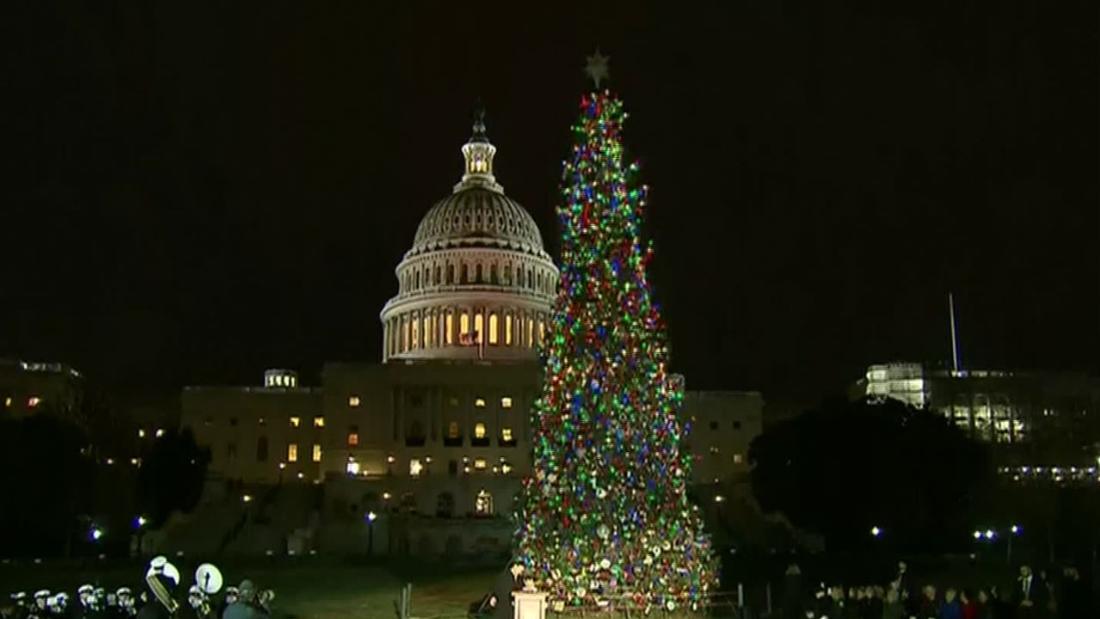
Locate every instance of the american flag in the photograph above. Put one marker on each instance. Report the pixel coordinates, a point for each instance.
(471, 338)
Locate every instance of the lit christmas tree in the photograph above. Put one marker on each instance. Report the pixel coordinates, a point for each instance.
(605, 518)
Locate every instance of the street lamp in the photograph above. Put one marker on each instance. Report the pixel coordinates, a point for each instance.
(140, 522)
(977, 535)
(96, 533)
(371, 517)
(990, 534)
(876, 532)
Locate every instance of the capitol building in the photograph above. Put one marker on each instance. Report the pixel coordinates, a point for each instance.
(422, 452)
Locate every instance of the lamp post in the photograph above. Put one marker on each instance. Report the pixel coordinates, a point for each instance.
(1013, 531)
(371, 517)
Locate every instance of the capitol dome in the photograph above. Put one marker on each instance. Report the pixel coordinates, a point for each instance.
(476, 283)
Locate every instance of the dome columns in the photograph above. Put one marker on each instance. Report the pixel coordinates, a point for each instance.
(465, 330)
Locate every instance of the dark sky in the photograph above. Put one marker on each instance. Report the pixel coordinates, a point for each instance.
(196, 192)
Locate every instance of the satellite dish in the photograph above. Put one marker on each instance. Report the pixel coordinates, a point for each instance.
(208, 578)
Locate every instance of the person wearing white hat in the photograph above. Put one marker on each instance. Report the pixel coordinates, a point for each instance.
(40, 608)
(99, 601)
(85, 601)
(59, 604)
(126, 606)
(19, 605)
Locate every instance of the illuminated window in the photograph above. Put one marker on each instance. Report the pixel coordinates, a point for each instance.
(464, 323)
(318, 422)
(316, 452)
(479, 402)
(292, 452)
(530, 332)
(353, 401)
(353, 467)
(493, 325)
(506, 435)
(508, 330)
(295, 422)
(353, 436)
(427, 332)
(738, 459)
(448, 323)
(483, 504)
(479, 326)
(452, 430)
(415, 332)
(506, 402)
(479, 464)
(479, 430)
(415, 467)
(34, 401)
(542, 331)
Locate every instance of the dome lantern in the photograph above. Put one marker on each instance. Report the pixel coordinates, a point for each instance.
(479, 152)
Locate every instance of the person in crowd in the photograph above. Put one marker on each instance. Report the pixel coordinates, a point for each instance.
(892, 607)
(951, 607)
(984, 605)
(59, 604)
(792, 592)
(904, 584)
(232, 594)
(39, 609)
(99, 601)
(1031, 596)
(85, 601)
(1073, 596)
(927, 607)
(969, 604)
(127, 609)
(872, 603)
(247, 606)
(19, 608)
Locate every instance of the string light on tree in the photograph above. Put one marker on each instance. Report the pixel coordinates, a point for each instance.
(605, 518)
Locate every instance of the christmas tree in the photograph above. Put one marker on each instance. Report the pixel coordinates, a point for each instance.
(605, 518)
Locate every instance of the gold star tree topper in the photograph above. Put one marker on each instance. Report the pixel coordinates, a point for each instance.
(596, 68)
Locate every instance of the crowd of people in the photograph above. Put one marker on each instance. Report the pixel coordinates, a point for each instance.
(156, 599)
(1031, 596)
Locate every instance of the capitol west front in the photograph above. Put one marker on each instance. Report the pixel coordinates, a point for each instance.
(436, 437)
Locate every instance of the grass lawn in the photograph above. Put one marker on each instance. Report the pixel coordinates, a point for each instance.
(309, 588)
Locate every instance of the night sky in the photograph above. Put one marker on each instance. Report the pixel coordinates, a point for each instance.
(194, 193)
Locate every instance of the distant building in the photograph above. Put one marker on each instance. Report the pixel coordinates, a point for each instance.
(260, 434)
(28, 387)
(1046, 415)
(441, 428)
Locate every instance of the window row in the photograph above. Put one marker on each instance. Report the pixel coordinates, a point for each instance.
(32, 402)
(444, 505)
(262, 451)
(438, 327)
(295, 421)
(421, 466)
(496, 273)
